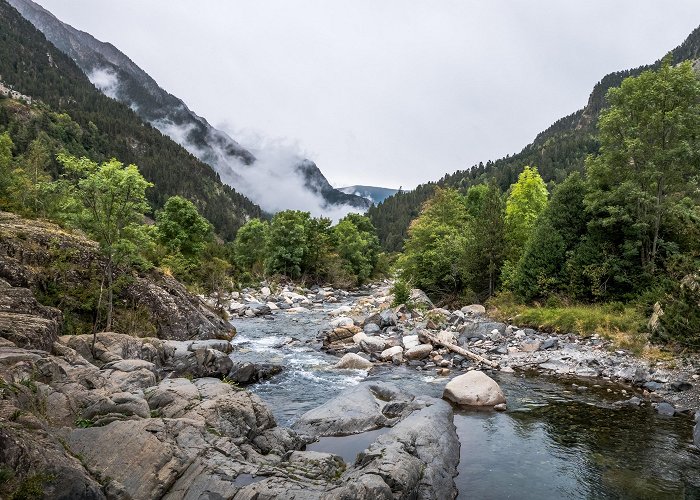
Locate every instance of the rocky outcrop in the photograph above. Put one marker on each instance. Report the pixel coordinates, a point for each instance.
(416, 459)
(249, 373)
(42, 256)
(24, 321)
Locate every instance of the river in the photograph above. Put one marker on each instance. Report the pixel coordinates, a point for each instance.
(558, 438)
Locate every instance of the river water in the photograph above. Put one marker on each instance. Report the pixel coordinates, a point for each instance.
(558, 438)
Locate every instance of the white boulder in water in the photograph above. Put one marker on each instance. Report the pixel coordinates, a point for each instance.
(352, 361)
(341, 322)
(474, 388)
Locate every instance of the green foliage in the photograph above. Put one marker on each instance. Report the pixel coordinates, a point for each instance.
(647, 166)
(434, 258)
(526, 201)
(181, 229)
(357, 243)
(114, 202)
(287, 243)
(249, 247)
(401, 290)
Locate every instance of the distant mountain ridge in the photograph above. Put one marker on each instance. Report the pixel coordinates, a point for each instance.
(119, 77)
(372, 193)
(556, 151)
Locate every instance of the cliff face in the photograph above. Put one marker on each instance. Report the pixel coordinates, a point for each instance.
(62, 270)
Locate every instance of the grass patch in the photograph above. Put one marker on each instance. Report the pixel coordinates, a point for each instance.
(623, 324)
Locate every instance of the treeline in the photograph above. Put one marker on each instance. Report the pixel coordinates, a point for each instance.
(297, 246)
(103, 128)
(627, 230)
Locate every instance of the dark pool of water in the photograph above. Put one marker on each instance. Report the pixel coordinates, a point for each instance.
(555, 441)
(347, 447)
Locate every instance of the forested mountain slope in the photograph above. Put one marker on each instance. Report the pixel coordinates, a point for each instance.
(556, 152)
(110, 129)
(120, 78)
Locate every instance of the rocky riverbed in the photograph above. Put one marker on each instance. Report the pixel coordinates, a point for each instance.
(278, 413)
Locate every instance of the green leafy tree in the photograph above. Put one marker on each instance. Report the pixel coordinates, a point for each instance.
(249, 247)
(181, 229)
(6, 146)
(526, 201)
(488, 247)
(113, 197)
(648, 160)
(558, 231)
(357, 244)
(287, 243)
(435, 257)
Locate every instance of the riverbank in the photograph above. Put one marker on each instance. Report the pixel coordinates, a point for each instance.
(383, 334)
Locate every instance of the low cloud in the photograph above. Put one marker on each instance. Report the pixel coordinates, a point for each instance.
(106, 81)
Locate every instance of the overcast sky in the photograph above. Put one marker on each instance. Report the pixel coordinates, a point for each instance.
(390, 92)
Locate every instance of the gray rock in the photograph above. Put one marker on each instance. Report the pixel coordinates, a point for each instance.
(371, 329)
(249, 373)
(653, 386)
(474, 310)
(355, 410)
(665, 409)
(550, 343)
(388, 318)
(373, 344)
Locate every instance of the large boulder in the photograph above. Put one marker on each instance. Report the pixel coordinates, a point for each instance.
(420, 299)
(352, 361)
(373, 344)
(358, 409)
(474, 388)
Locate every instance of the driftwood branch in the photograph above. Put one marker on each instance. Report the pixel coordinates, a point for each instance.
(459, 350)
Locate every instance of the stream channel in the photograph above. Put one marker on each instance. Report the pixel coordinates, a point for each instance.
(559, 438)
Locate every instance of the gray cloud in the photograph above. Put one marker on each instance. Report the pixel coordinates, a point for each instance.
(386, 93)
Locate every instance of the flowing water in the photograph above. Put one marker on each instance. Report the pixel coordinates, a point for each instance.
(558, 439)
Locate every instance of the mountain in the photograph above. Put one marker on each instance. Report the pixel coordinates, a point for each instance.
(119, 77)
(557, 151)
(88, 122)
(372, 193)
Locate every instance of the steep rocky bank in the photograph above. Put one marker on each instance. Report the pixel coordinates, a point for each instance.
(159, 416)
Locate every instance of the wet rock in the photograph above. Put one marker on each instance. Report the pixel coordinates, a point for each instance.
(416, 459)
(665, 409)
(353, 361)
(249, 373)
(696, 430)
(500, 407)
(474, 388)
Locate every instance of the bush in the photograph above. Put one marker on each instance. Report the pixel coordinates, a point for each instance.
(402, 292)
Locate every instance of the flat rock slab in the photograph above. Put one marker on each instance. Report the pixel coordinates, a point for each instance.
(355, 410)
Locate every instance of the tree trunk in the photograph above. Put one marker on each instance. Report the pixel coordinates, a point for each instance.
(110, 296)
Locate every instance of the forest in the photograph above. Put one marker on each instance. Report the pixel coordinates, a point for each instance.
(622, 233)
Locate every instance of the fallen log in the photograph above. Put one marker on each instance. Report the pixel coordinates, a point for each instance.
(459, 350)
